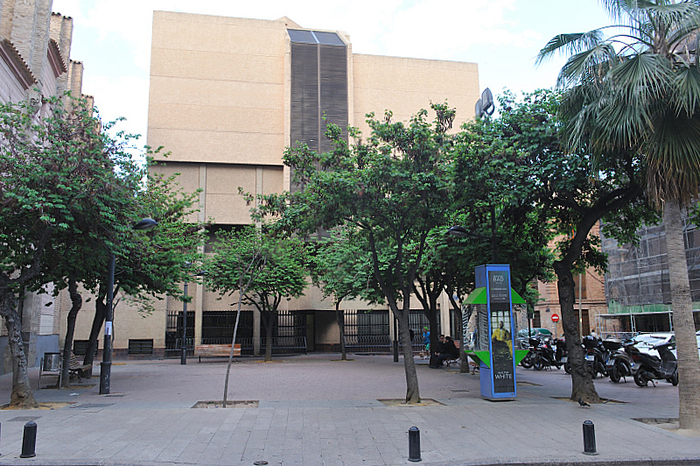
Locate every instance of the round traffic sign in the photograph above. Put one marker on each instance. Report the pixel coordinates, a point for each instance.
(555, 318)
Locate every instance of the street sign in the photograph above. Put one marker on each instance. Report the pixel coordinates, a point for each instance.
(555, 318)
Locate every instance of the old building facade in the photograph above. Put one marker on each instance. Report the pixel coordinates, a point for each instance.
(35, 64)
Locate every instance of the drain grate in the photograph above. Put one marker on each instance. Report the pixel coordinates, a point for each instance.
(229, 404)
(23, 419)
(91, 405)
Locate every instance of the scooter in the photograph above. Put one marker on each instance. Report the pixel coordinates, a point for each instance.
(618, 364)
(596, 356)
(545, 356)
(650, 368)
(529, 358)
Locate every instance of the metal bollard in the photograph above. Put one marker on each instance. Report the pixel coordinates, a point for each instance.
(29, 440)
(589, 438)
(414, 444)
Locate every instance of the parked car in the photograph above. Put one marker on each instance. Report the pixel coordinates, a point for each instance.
(645, 342)
(522, 340)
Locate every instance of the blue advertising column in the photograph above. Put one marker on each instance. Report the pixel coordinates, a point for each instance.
(496, 329)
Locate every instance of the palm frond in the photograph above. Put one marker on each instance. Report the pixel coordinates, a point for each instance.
(673, 155)
(596, 61)
(686, 90)
(569, 43)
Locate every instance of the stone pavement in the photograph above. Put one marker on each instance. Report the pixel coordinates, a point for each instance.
(317, 410)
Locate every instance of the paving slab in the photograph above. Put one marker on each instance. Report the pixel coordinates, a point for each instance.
(318, 410)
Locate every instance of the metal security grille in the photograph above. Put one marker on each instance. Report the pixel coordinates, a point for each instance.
(217, 328)
(289, 333)
(173, 333)
(367, 331)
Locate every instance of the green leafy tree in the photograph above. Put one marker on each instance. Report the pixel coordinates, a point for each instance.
(58, 172)
(341, 268)
(282, 274)
(391, 190)
(567, 198)
(634, 86)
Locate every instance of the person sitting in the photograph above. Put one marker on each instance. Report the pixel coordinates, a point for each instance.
(447, 350)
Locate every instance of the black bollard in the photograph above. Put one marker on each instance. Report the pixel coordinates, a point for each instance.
(29, 440)
(414, 444)
(589, 438)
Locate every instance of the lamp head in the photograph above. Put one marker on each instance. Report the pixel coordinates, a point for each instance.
(144, 224)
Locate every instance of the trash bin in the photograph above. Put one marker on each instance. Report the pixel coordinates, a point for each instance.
(52, 362)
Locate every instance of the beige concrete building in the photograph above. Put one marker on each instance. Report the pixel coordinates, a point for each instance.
(227, 95)
(35, 64)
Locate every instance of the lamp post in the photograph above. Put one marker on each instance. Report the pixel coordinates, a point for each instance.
(183, 349)
(106, 364)
(183, 354)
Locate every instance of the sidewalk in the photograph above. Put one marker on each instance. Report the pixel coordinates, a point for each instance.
(318, 410)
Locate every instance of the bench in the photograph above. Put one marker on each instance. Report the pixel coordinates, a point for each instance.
(451, 361)
(76, 368)
(214, 351)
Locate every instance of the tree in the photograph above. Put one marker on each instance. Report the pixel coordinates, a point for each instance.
(153, 264)
(341, 268)
(275, 268)
(558, 185)
(638, 90)
(391, 190)
(58, 170)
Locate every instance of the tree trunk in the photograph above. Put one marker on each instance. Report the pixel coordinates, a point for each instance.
(76, 304)
(412, 391)
(268, 316)
(22, 396)
(340, 317)
(683, 324)
(581, 380)
(97, 321)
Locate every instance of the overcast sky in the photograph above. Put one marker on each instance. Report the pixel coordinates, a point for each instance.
(113, 38)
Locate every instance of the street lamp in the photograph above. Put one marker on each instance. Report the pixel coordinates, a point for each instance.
(183, 349)
(106, 365)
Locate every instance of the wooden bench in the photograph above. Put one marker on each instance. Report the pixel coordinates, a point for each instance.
(76, 368)
(214, 351)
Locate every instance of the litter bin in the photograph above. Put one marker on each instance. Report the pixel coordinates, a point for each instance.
(52, 362)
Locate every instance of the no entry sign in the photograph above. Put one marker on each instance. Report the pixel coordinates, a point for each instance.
(555, 318)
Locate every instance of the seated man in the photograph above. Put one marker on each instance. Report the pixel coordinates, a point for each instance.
(448, 350)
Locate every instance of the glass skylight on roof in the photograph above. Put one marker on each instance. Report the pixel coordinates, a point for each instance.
(315, 37)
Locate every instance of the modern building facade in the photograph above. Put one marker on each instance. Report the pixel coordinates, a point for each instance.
(227, 96)
(35, 64)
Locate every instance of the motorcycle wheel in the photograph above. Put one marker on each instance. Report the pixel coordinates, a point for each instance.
(567, 368)
(527, 361)
(673, 379)
(538, 364)
(640, 379)
(615, 375)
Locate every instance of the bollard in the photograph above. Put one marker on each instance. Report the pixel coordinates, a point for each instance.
(589, 438)
(414, 444)
(29, 440)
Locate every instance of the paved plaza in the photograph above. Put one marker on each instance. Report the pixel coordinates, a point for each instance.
(317, 410)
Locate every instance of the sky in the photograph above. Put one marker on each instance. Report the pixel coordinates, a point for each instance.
(113, 38)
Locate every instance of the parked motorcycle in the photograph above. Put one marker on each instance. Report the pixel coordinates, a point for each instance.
(545, 355)
(529, 359)
(618, 364)
(596, 356)
(650, 368)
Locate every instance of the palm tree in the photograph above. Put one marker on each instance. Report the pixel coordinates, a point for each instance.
(635, 85)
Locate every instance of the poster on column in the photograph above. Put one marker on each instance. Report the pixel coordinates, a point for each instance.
(501, 337)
